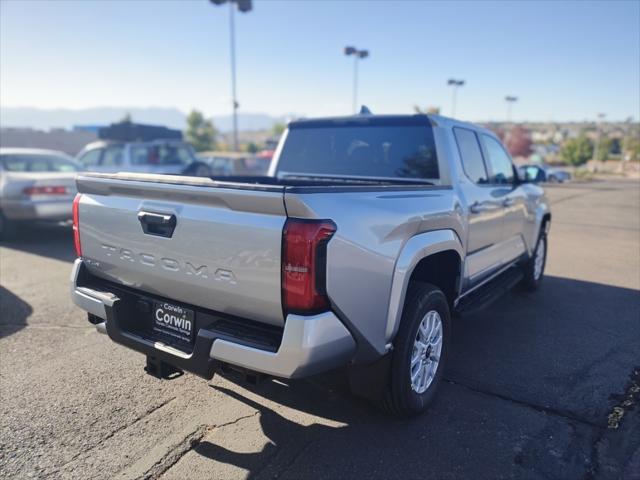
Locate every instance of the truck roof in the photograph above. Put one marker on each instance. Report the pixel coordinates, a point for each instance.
(360, 119)
(384, 120)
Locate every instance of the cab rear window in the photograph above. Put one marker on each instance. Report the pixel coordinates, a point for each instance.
(367, 150)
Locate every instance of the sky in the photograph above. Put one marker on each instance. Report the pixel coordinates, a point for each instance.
(563, 60)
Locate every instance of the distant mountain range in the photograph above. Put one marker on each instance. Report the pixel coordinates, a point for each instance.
(46, 119)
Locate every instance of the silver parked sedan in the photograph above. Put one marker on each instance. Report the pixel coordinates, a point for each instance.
(35, 185)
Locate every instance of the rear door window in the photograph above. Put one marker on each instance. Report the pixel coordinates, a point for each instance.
(471, 154)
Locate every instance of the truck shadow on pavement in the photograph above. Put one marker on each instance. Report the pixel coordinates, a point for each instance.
(527, 391)
(287, 438)
(13, 313)
(52, 241)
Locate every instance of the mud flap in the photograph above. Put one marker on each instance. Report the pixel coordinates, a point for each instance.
(370, 381)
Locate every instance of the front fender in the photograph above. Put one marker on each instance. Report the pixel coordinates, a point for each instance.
(417, 247)
(542, 211)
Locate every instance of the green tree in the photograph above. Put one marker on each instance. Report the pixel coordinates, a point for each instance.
(252, 147)
(604, 148)
(577, 151)
(633, 148)
(277, 129)
(200, 132)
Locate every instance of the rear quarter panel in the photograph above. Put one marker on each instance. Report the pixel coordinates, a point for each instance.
(372, 229)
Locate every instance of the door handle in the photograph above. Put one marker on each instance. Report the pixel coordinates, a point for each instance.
(478, 207)
(159, 224)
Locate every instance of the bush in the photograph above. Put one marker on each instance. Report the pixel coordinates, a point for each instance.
(200, 132)
(577, 151)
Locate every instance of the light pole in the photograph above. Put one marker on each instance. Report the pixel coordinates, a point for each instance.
(510, 101)
(243, 6)
(454, 87)
(627, 130)
(597, 146)
(357, 55)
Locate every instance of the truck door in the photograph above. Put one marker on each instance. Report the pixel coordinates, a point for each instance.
(512, 196)
(485, 209)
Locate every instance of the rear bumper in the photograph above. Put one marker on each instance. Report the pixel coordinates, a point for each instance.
(309, 344)
(53, 210)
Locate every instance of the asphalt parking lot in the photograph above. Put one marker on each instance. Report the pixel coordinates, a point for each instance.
(534, 389)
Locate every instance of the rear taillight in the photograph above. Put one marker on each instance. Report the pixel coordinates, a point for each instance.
(76, 225)
(304, 265)
(45, 190)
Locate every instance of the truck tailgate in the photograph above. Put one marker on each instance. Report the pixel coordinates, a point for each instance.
(209, 244)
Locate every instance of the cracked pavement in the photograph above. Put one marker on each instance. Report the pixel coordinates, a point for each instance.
(529, 390)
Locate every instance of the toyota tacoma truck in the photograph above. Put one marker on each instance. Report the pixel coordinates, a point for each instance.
(367, 234)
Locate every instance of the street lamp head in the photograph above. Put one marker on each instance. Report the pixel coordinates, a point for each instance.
(455, 82)
(350, 50)
(510, 98)
(356, 52)
(243, 5)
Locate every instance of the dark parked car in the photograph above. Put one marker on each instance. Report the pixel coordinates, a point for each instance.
(543, 173)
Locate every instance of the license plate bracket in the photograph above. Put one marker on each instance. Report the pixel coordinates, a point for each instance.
(174, 321)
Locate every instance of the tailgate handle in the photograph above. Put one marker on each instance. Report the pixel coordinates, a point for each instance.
(159, 224)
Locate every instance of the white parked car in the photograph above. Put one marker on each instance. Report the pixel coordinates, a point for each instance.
(35, 185)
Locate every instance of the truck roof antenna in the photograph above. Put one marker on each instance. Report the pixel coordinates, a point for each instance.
(364, 110)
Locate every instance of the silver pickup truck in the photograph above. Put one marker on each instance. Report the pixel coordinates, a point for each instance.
(369, 232)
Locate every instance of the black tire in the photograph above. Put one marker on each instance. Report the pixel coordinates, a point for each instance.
(7, 228)
(198, 169)
(531, 281)
(400, 399)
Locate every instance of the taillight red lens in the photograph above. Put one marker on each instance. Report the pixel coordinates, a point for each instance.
(76, 225)
(45, 190)
(304, 264)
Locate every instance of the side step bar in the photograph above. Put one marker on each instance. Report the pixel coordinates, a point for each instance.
(489, 292)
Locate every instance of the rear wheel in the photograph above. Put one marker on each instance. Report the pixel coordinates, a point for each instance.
(420, 352)
(198, 169)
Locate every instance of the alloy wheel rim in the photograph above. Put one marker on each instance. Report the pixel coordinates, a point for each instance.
(427, 349)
